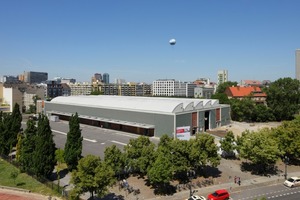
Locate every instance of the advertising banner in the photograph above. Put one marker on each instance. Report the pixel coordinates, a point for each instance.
(183, 133)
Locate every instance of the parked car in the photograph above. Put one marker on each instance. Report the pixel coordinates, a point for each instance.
(196, 197)
(219, 195)
(292, 182)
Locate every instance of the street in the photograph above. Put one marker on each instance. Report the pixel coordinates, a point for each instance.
(278, 191)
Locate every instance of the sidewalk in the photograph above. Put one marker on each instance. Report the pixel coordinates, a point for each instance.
(204, 191)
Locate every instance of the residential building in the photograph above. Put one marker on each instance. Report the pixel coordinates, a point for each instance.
(204, 91)
(22, 94)
(109, 89)
(54, 88)
(10, 79)
(254, 83)
(78, 88)
(68, 80)
(134, 89)
(297, 64)
(222, 76)
(66, 90)
(255, 93)
(171, 87)
(202, 81)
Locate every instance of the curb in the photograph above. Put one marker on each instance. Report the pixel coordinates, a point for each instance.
(15, 189)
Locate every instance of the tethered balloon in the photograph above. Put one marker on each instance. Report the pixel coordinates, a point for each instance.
(172, 42)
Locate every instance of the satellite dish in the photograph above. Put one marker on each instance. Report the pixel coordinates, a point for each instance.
(172, 42)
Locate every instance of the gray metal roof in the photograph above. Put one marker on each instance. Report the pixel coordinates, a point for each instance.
(143, 104)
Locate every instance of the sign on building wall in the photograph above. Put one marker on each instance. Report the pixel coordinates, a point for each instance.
(183, 133)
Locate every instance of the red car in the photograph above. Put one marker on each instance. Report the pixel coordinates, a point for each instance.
(219, 195)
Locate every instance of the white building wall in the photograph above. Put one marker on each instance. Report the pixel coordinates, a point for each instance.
(170, 87)
(222, 76)
(12, 96)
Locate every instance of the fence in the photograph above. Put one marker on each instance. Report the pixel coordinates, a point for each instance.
(55, 187)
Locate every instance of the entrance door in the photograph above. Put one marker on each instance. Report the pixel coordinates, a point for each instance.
(206, 118)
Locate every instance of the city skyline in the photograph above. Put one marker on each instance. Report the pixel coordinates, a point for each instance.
(252, 40)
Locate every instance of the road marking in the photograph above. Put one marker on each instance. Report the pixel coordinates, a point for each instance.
(113, 141)
(63, 133)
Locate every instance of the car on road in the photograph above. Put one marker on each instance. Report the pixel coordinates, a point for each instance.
(219, 195)
(196, 197)
(292, 182)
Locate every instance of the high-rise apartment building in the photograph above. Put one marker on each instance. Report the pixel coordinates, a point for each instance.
(222, 76)
(106, 78)
(298, 64)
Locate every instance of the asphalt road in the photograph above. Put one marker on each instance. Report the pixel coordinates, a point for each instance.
(276, 192)
(95, 139)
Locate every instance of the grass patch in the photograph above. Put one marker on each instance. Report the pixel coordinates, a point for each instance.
(22, 180)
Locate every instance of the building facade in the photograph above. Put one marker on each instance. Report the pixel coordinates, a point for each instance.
(255, 93)
(147, 116)
(80, 88)
(35, 77)
(172, 88)
(203, 92)
(222, 76)
(22, 94)
(106, 78)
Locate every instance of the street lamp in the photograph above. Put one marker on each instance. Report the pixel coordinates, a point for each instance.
(191, 174)
(286, 162)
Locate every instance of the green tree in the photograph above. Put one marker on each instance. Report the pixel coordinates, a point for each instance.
(222, 87)
(114, 158)
(44, 154)
(262, 113)
(10, 127)
(260, 148)
(204, 151)
(222, 97)
(96, 92)
(92, 175)
(73, 147)
(161, 172)
(140, 154)
(228, 144)
(27, 147)
(287, 137)
(283, 98)
(4, 134)
(180, 156)
(59, 156)
(242, 110)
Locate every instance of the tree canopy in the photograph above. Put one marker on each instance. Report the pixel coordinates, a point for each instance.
(44, 154)
(259, 148)
(283, 98)
(92, 175)
(73, 147)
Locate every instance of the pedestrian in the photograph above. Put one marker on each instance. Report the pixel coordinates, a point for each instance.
(235, 179)
(239, 181)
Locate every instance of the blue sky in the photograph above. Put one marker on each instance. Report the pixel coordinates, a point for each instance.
(252, 39)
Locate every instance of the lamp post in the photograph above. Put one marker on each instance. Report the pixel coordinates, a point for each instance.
(190, 174)
(286, 162)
